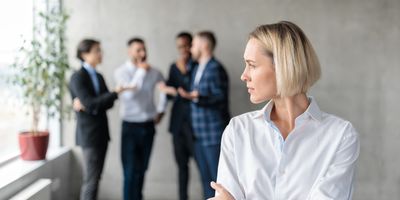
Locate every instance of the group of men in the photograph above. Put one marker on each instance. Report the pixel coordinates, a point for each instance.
(198, 87)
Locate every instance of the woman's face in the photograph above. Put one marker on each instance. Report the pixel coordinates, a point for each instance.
(259, 73)
(94, 56)
(183, 45)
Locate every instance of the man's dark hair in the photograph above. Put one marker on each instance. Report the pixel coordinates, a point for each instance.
(135, 40)
(186, 35)
(210, 37)
(85, 46)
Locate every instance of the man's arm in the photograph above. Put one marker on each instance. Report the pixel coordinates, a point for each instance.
(92, 104)
(162, 101)
(218, 88)
(134, 83)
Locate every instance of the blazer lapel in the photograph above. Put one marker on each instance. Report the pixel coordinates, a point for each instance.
(102, 84)
(89, 80)
(193, 75)
(202, 75)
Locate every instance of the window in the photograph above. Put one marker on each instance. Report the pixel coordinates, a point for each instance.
(16, 18)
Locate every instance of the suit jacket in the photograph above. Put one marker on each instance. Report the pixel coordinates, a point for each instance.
(210, 114)
(181, 106)
(92, 124)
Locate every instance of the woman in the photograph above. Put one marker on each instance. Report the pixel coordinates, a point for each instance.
(180, 125)
(92, 99)
(290, 149)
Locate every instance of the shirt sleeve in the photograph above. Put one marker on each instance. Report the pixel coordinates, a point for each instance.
(138, 78)
(227, 171)
(337, 183)
(122, 78)
(162, 100)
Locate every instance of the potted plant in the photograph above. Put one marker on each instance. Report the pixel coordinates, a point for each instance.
(39, 72)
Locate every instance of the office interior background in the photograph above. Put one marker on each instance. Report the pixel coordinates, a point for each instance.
(357, 41)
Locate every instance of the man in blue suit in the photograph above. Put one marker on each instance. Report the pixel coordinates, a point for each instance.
(209, 107)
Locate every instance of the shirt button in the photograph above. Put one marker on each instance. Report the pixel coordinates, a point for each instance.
(282, 171)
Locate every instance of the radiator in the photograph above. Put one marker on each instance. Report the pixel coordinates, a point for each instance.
(39, 190)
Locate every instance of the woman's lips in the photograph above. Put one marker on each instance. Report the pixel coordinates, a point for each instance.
(249, 89)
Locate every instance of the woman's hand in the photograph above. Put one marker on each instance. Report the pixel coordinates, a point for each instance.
(223, 194)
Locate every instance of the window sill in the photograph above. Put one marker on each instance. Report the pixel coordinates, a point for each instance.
(8, 159)
(18, 169)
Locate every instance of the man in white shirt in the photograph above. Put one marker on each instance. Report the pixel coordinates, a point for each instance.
(139, 115)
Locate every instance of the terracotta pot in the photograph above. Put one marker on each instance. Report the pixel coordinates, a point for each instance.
(33, 146)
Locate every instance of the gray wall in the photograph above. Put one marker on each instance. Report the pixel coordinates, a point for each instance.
(357, 42)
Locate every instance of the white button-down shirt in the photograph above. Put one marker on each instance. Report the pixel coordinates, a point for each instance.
(138, 105)
(315, 162)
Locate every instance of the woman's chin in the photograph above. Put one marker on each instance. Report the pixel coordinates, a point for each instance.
(256, 100)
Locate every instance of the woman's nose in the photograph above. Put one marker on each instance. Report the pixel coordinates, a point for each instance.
(244, 77)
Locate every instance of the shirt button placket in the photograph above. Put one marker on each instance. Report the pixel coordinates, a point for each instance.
(280, 179)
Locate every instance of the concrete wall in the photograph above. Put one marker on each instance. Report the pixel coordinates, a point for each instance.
(357, 42)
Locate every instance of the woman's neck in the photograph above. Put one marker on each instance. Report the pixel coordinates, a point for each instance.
(286, 110)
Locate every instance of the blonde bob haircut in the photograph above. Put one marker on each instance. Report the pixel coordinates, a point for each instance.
(296, 64)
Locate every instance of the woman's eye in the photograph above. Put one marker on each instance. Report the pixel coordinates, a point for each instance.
(252, 66)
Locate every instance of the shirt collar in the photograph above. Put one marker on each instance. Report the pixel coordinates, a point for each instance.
(313, 111)
(203, 65)
(89, 68)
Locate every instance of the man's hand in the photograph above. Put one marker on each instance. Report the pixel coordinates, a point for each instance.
(194, 94)
(223, 194)
(158, 118)
(121, 88)
(77, 105)
(167, 89)
(144, 65)
(188, 95)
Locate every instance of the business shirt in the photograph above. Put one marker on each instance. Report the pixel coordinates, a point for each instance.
(315, 162)
(93, 76)
(138, 105)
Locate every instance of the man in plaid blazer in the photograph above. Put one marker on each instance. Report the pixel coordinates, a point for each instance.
(209, 107)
